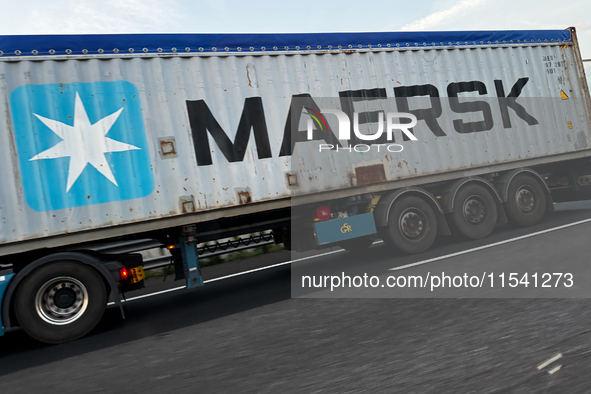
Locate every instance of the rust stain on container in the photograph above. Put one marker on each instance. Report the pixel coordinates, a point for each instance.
(167, 147)
(188, 204)
(292, 179)
(370, 174)
(244, 197)
(251, 75)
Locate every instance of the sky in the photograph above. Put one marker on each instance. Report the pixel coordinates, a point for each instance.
(264, 16)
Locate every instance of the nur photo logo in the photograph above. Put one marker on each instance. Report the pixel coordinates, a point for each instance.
(393, 122)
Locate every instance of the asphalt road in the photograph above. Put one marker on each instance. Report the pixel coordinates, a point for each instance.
(246, 334)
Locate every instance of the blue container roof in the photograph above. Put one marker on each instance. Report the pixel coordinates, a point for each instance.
(167, 43)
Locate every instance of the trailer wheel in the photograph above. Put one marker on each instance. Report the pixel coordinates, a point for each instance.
(526, 201)
(60, 302)
(475, 212)
(357, 244)
(412, 225)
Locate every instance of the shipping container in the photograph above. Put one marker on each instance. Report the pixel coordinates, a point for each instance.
(197, 136)
(169, 167)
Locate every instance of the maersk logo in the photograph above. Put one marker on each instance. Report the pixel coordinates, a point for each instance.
(81, 144)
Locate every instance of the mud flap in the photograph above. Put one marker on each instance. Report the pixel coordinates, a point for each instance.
(4, 281)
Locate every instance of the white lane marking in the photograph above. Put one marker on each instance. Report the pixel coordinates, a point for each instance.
(555, 369)
(274, 265)
(232, 275)
(149, 295)
(550, 361)
(447, 256)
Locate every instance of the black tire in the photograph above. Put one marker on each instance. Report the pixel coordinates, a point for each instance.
(474, 212)
(384, 234)
(60, 302)
(526, 201)
(412, 225)
(357, 244)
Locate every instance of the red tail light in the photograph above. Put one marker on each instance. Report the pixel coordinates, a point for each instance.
(124, 273)
(322, 214)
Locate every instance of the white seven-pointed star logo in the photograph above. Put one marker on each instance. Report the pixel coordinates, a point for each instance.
(84, 143)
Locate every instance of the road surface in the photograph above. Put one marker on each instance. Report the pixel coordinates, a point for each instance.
(246, 334)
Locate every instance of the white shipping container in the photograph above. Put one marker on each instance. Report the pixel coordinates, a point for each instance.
(108, 135)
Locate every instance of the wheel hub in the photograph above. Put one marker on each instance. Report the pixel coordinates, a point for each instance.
(64, 298)
(525, 199)
(474, 210)
(61, 300)
(412, 223)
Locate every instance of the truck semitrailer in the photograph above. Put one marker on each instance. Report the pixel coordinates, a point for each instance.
(189, 138)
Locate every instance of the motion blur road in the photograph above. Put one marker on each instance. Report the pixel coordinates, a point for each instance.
(245, 334)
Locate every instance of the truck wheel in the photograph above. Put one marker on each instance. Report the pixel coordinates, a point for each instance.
(60, 302)
(475, 212)
(526, 201)
(412, 225)
(357, 244)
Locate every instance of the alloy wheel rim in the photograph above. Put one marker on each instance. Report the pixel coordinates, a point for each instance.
(412, 223)
(474, 210)
(61, 300)
(525, 199)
